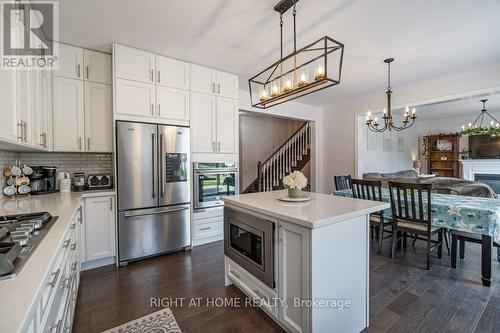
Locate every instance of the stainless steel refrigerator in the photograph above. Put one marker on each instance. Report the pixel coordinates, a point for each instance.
(153, 183)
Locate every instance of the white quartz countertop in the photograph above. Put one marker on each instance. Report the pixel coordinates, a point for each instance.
(321, 210)
(17, 293)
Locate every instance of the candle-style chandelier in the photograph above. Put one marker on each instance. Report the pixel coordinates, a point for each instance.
(408, 119)
(312, 68)
(476, 127)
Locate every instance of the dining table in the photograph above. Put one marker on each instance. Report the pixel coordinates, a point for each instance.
(472, 215)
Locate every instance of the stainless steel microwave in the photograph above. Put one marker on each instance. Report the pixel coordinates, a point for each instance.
(212, 181)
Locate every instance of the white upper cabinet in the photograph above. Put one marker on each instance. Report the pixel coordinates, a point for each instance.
(227, 125)
(172, 103)
(70, 62)
(41, 104)
(9, 130)
(97, 66)
(25, 99)
(134, 98)
(203, 123)
(203, 79)
(172, 73)
(68, 114)
(98, 117)
(227, 85)
(210, 81)
(134, 64)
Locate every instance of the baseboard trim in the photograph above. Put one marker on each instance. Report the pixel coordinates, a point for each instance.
(98, 263)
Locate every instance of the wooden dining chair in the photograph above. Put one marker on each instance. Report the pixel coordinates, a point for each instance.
(410, 216)
(342, 182)
(372, 190)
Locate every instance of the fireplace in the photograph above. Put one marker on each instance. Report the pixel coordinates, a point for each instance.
(492, 181)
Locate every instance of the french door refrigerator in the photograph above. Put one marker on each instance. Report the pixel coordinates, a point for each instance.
(153, 189)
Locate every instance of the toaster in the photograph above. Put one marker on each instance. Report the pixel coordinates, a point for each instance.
(96, 182)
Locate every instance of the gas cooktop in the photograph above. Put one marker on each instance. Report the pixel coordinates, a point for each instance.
(19, 237)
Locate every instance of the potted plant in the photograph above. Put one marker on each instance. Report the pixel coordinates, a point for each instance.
(464, 154)
(294, 182)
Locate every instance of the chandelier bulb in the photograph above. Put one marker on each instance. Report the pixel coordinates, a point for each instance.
(369, 114)
(463, 127)
(385, 110)
(414, 111)
(470, 124)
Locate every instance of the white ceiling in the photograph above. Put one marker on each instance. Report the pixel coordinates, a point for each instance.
(428, 38)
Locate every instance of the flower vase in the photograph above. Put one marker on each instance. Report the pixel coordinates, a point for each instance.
(294, 193)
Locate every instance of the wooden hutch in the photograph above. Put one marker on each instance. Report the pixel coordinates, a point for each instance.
(442, 157)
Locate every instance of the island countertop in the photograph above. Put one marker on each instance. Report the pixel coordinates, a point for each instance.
(320, 211)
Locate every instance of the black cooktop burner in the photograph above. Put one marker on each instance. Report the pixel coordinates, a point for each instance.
(19, 237)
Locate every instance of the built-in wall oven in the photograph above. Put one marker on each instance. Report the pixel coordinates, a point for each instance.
(249, 241)
(212, 181)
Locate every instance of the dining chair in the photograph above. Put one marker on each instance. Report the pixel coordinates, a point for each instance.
(372, 190)
(342, 182)
(411, 213)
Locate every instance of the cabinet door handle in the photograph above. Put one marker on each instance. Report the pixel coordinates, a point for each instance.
(66, 243)
(55, 274)
(20, 131)
(71, 227)
(81, 215)
(218, 146)
(213, 88)
(74, 265)
(153, 109)
(152, 75)
(159, 111)
(80, 143)
(159, 77)
(88, 71)
(111, 203)
(213, 146)
(44, 140)
(73, 246)
(206, 228)
(78, 70)
(24, 131)
(88, 143)
(218, 88)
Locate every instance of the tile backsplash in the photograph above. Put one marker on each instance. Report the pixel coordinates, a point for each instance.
(98, 163)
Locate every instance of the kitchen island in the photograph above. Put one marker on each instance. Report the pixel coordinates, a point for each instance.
(305, 264)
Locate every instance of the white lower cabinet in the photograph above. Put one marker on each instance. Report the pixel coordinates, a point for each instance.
(208, 230)
(99, 226)
(293, 275)
(54, 305)
(292, 270)
(90, 235)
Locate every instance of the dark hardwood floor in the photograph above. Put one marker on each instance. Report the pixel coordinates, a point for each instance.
(404, 297)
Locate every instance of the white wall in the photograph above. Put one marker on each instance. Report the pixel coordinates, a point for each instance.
(301, 111)
(376, 159)
(339, 119)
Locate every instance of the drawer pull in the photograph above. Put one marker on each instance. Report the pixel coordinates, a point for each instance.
(206, 228)
(71, 227)
(57, 326)
(52, 283)
(67, 283)
(66, 243)
(73, 266)
(73, 246)
(235, 274)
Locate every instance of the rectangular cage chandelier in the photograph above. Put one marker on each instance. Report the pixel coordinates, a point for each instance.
(304, 71)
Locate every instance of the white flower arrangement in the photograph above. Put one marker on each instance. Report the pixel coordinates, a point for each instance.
(295, 180)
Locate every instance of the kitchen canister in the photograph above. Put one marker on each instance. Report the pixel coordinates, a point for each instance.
(65, 185)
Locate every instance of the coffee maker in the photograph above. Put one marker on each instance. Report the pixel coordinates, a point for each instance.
(43, 180)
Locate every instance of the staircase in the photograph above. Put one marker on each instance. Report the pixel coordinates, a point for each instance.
(290, 156)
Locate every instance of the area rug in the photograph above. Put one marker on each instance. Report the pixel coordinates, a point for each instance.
(161, 321)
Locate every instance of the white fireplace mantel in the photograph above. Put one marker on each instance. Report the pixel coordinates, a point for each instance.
(472, 167)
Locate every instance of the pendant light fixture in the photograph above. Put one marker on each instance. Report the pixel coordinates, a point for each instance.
(312, 68)
(476, 127)
(408, 119)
